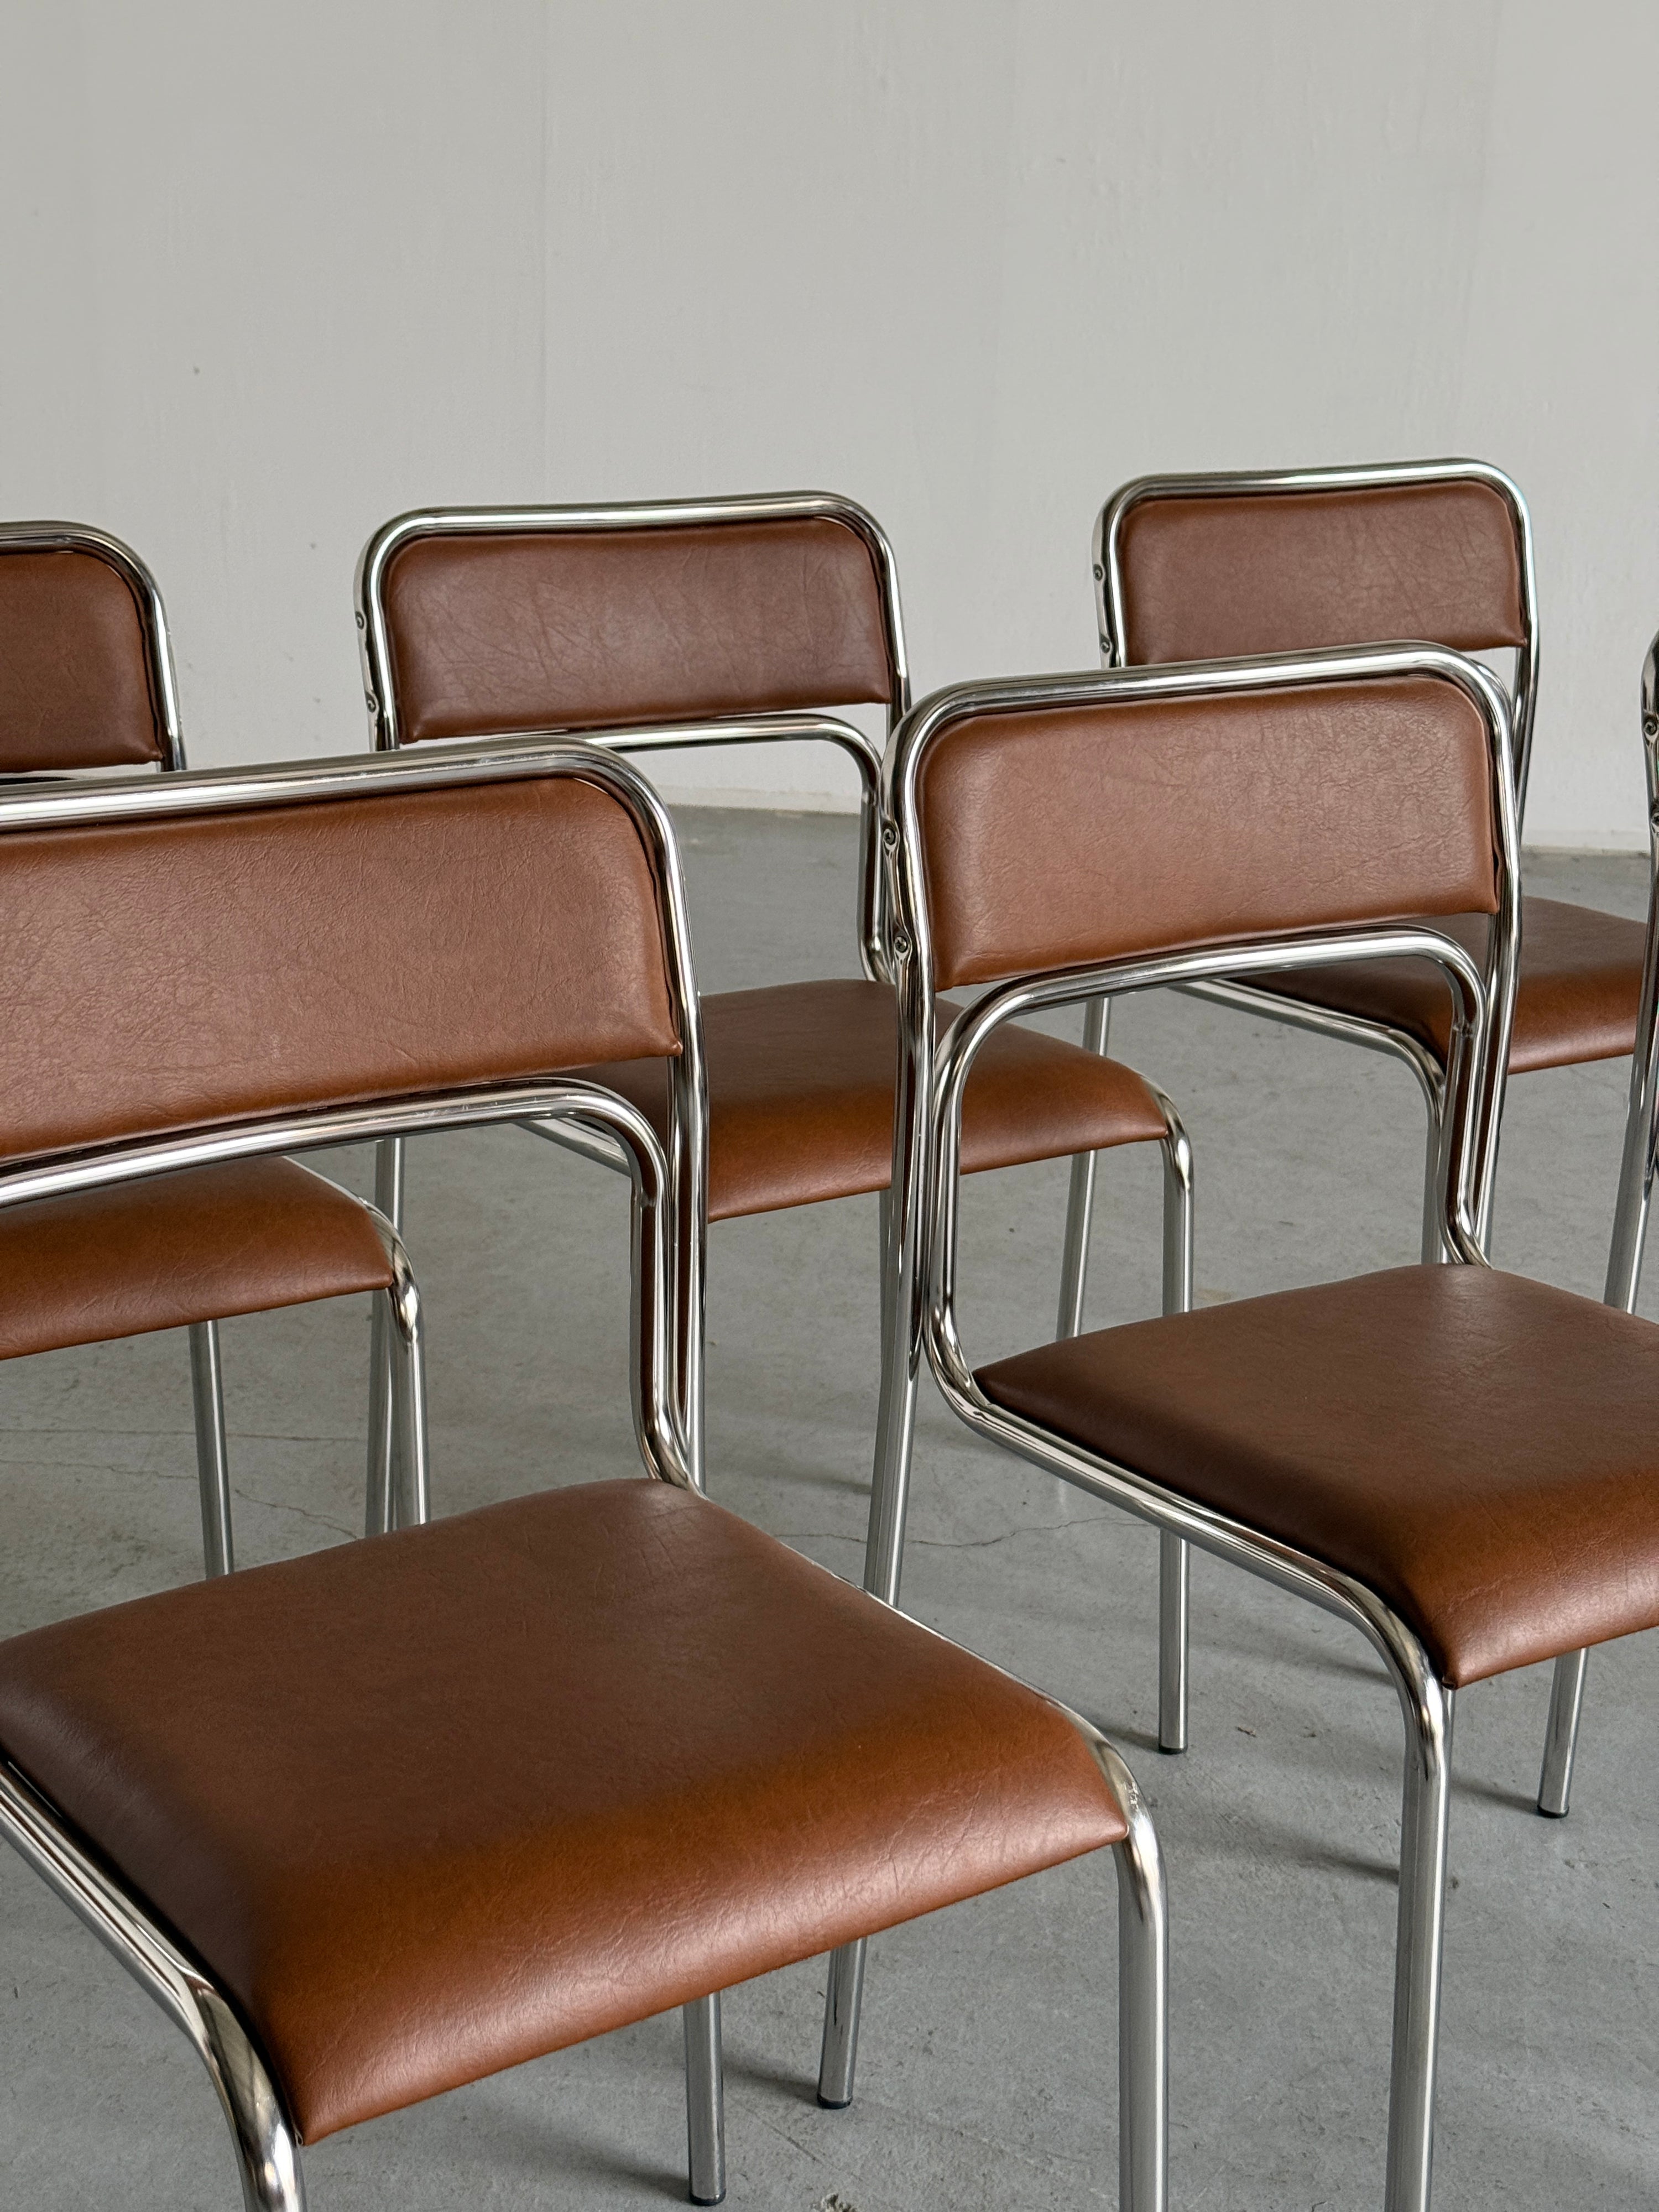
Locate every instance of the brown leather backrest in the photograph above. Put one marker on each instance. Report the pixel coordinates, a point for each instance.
(75, 684)
(1060, 837)
(162, 975)
(573, 628)
(1210, 578)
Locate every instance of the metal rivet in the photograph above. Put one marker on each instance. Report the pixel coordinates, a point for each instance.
(1100, 573)
(360, 622)
(1650, 725)
(889, 838)
(901, 943)
(371, 703)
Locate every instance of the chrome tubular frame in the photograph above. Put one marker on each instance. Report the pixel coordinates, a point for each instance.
(927, 1180)
(1630, 1232)
(912, 1139)
(1109, 609)
(1630, 1220)
(267, 2146)
(379, 691)
(669, 1206)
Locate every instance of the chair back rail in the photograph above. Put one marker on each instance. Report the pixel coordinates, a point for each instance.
(1060, 837)
(211, 949)
(729, 613)
(1202, 568)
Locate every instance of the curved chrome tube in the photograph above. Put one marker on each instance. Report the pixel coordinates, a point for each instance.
(1367, 476)
(267, 2148)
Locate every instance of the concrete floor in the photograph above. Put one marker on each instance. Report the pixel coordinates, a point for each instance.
(987, 2072)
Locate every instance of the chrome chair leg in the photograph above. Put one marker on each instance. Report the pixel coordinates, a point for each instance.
(1630, 1208)
(212, 1455)
(1174, 1571)
(884, 1242)
(1080, 1204)
(705, 2101)
(895, 1424)
(1143, 2013)
(267, 2148)
(841, 2002)
(1173, 1553)
(1629, 1234)
(883, 1560)
(1561, 1738)
(379, 1510)
(1425, 1810)
(410, 1493)
(377, 1504)
(1433, 1246)
(399, 1489)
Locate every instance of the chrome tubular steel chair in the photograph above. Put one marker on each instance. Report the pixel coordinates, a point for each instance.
(1641, 1152)
(740, 621)
(86, 682)
(388, 1817)
(1196, 567)
(1463, 1465)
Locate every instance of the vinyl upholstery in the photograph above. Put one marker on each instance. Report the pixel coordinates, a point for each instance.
(583, 628)
(1073, 834)
(1479, 1449)
(434, 1804)
(197, 1245)
(1295, 572)
(800, 1097)
(75, 679)
(1209, 577)
(1580, 992)
(321, 953)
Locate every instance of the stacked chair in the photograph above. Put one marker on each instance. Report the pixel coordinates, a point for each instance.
(86, 683)
(378, 1821)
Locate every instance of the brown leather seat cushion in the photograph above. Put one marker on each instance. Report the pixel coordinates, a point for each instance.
(1581, 982)
(1479, 1449)
(194, 1246)
(800, 1097)
(434, 1804)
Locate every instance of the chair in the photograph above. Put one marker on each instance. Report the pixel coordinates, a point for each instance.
(1641, 1148)
(1462, 1464)
(86, 683)
(736, 621)
(392, 1816)
(1197, 568)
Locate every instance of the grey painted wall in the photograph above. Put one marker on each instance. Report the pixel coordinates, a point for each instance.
(271, 275)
